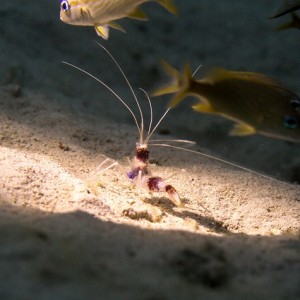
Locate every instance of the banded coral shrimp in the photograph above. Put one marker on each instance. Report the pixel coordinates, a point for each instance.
(140, 174)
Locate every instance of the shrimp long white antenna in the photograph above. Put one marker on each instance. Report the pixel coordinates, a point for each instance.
(141, 127)
(217, 159)
(101, 169)
(194, 73)
(109, 88)
(150, 132)
(157, 124)
(173, 141)
(151, 111)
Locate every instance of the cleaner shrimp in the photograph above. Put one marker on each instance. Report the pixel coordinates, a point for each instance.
(139, 173)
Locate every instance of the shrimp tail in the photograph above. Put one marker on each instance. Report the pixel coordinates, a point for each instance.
(180, 84)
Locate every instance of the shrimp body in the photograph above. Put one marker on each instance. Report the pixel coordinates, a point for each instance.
(139, 173)
(140, 176)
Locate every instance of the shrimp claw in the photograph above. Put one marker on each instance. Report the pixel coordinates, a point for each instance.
(156, 184)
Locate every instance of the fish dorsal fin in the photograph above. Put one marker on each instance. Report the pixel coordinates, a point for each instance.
(116, 25)
(241, 129)
(103, 31)
(138, 14)
(218, 74)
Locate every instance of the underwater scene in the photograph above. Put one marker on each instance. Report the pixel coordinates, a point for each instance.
(159, 139)
(33, 52)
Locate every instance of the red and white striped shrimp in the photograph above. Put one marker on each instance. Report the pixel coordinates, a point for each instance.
(140, 174)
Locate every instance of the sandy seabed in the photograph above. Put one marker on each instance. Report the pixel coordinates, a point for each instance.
(70, 232)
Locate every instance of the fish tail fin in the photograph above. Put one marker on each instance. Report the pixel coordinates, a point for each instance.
(168, 5)
(179, 85)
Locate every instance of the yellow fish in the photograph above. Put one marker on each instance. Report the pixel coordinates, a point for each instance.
(257, 103)
(102, 13)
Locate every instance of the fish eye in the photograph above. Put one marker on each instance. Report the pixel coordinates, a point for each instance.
(290, 122)
(295, 103)
(65, 6)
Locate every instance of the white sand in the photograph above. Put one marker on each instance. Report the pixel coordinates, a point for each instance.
(67, 232)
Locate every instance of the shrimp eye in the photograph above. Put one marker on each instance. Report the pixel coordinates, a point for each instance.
(295, 103)
(65, 6)
(290, 122)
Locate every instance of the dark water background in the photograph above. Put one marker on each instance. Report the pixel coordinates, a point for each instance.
(233, 34)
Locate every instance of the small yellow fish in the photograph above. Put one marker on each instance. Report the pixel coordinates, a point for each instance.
(256, 102)
(102, 13)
